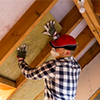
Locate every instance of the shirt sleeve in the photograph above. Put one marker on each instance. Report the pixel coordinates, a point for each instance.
(46, 70)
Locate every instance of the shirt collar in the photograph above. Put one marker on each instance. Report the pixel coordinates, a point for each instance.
(66, 58)
(69, 58)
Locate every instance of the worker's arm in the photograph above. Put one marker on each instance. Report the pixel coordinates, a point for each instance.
(45, 70)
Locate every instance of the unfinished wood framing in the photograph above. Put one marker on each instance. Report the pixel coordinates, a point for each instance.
(69, 22)
(6, 84)
(91, 18)
(89, 55)
(96, 5)
(83, 39)
(39, 95)
(95, 94)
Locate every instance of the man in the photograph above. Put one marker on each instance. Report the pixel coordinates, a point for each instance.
(61, 74)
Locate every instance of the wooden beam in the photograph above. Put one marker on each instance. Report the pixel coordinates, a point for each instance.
(70, 21)
(6, 84)
(24, 26)
(91, 18)
(83, 39)
(89, 55)
(39, 95)
(95, 94)
(90, 10)
(96, 5)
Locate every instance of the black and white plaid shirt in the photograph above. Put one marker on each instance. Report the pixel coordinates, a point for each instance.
(61, 77)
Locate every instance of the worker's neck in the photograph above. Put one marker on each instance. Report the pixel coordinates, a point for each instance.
(58, 57)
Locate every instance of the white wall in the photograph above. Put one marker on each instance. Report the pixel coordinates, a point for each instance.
(10, 13)
(89, 80)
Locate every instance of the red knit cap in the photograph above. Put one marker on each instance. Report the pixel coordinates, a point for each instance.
(64, 41)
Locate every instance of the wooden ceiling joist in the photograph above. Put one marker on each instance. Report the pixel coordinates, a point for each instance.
(83, 39)
(93, 97)
(89, 55)
(6, 84)
(96, 5)
(92, 15)
(24, 26)
(70, 21)
(91, 18)
(39, 95)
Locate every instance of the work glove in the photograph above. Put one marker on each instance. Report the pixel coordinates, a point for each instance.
(21, 52)
(50, 30)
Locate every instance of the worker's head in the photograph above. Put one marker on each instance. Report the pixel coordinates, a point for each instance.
(64, 46)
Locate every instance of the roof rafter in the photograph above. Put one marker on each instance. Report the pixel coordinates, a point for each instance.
(83, 39)
(95, 94)
(91, 18)
(96, 5)
(89, 55)
(70, 21)
(6, 84)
